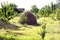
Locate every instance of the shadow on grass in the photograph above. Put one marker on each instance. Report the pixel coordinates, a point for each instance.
(8, 26)
(35, 24)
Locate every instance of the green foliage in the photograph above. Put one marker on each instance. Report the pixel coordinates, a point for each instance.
(58, 14)
(7, 37)
(34, 9)
(52, 15)
(53, 6)
(46, 10)
(44, 31)
(40, 13)
(58, 5)
(13, 5)
(51, 28)
(22, 17)
(7, 12)
(36, 33)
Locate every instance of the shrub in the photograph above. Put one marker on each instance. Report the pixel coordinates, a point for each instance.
(23, 18)
(7, 12)
(58, 14)
(52, 15)
(7, 37)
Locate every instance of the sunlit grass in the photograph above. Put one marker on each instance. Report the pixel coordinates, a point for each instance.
(14, 20)
(29, 32)
(52, 36)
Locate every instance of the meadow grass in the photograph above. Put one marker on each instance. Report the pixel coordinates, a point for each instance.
(29, 32)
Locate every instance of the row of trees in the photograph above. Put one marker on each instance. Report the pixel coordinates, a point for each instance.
(47, 10)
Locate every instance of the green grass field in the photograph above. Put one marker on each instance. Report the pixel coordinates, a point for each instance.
(29, 32)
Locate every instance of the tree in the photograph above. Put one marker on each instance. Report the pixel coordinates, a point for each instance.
(34, 9)
(40, 13)
(47, 10)
(53, 6)
(13, 5)
(7, 12)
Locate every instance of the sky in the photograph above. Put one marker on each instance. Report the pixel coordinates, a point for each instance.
(28, 3)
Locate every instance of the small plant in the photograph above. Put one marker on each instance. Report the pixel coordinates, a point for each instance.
(44, 31)
(23, 18)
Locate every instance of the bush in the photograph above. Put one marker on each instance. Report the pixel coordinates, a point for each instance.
(7, 37)
(7, 12)
(23, 18)
(58, 14)
(52, 15)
